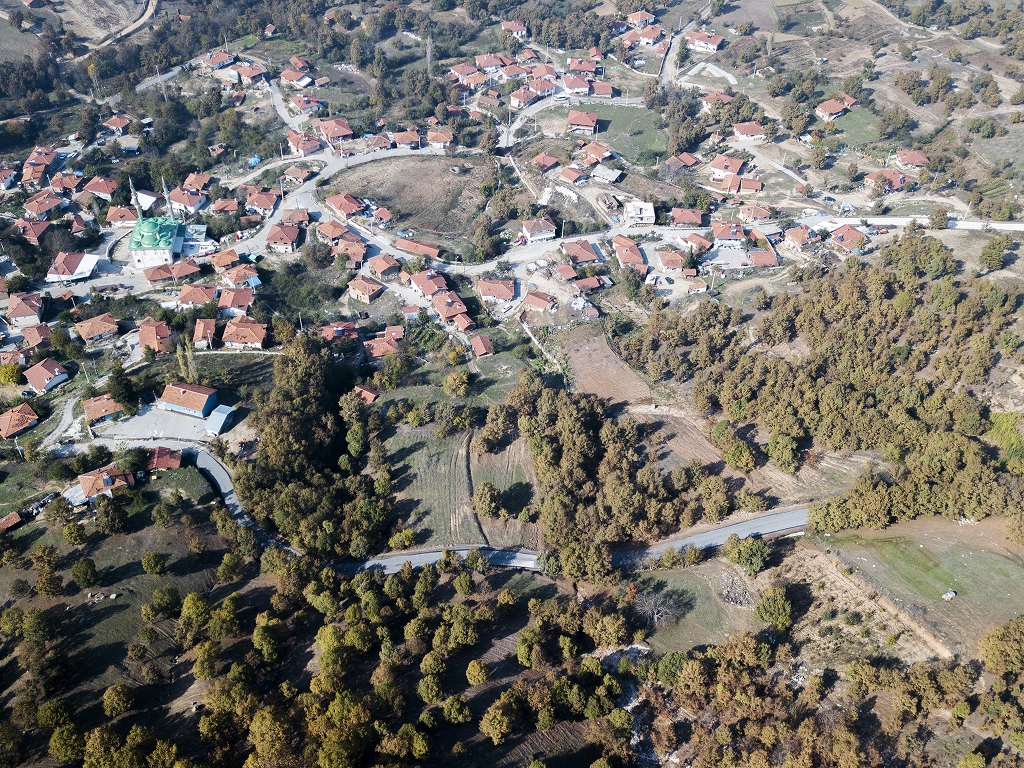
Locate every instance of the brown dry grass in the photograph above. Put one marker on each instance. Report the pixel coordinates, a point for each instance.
(422, 190)
(599, 371)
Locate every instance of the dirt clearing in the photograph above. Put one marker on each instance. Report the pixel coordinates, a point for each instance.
(423, 191)
(599, 371)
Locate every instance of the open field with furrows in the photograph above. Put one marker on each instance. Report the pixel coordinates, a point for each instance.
(598, 370)
(837, 616)
(915, 563)
(15, 45)
(107, 622)
(511, 472)
(423, 191)
(432, 491)
(714, 602)
(89, 19)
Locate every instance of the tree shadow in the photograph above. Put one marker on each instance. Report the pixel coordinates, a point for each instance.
(801, 597)
(517, 497)
(116, 574)
(402, 454)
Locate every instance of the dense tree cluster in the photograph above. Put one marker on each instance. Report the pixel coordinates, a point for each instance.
(895, 352)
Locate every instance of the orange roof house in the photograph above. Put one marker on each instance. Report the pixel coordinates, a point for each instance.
(17, 420)
(100, 408)
(105, 480)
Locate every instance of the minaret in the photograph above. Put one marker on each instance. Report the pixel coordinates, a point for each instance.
(135, 198)
(167, 197)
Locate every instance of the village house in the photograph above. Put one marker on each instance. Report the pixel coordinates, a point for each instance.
(886, 180)
(749, 131)
(243, 333)
(849, 239)
(302, 143)
(705, 42)
(420, 249)
(582, 122)
(97, 329)
(366, 394)
(686, 217)
(514, 28)
(598, 152)
(283, 239)
(227, 206)
(640, 19)
(46, 375)
(724, 165)
(565, 272)
(481, 346)
(217, 59)
(32, 231)
(497, 290)
(536, 230)
(293, 79)
(338, 330)
(544, 162)
(100, 187)
(19, 419)
(628, 254)
(184, 202)
(580, 252)
(235, 301)
(733, 184)
(365, 289)
(202, 336)
(42, 204)
(601, 89)
(189, 399)
(197, 182)
(36, 336)
(196, 295)
(539, 302)
(304, 104)
(345, 205)
(122, 216)
(100, 409)
(162, 458)
(573, 176)
(104, 481)
(639, 213)
(800, 237)
(829, 110)
(242, 276)
(334, 131)
(69, 267)
(440, 139)
(385, 267)
(24, 309)
(908, 159)
(427, 283)
(755, 213)
(155, 335)
(713, 99)
(673, 261)
(522, 97)
(728, 234)
(330, 231)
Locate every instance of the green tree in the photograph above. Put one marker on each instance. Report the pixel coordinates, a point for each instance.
(67, 744)
(456, 709)
(487, 500)
(775, 609)
(231, 567)
(83, 572)
(154, 563)
(110, 516)
(117, 700)
(477, 673)
(74, 534)
(205, 667)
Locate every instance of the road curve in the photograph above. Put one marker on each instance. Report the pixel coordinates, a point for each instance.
(768, 524)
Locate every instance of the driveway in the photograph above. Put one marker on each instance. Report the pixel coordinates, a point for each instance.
(155, 423)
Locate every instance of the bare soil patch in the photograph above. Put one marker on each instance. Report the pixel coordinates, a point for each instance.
(423, 191)
(598, 370)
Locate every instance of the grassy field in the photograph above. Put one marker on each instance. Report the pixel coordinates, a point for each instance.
(859, 127)
(1005, 432)
(511, 473)
(235, 373)
(915, 563)
(627, 130)
(432, 486)
(103, 628)
(705, 617)
(18, 485)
